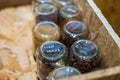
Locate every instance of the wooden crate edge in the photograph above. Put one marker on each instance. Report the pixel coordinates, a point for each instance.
(105, 73)
(12, 3)
(99, 74)
(105, 22)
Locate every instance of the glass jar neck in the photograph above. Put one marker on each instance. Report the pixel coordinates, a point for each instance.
(64, 2)
(63, 72)
(84, 49)
(52, 51)
(45, 29)
(44, 1)
(75, 28)
(69, 11)
(45, 9)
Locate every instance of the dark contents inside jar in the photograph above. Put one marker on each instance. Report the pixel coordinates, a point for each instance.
(69, 12)
(46, 12)
(52, 55)
(84, 56)
(52, 52)
(73, 31)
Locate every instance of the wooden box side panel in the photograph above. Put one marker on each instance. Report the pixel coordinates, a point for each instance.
(106, 74)
(108, 49)
(8, 3)
(111, 10)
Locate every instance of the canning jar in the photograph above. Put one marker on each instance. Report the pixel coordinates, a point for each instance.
(61, 3)
(73, 31)
(46, 12)
(50, 55)
(63, 72)
(69, 12)
(45, 31)
(84, 55)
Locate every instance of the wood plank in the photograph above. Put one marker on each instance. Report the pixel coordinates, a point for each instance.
(9, 3)
(105, 38)
(111, 10)
(106, 74)
(18, 23)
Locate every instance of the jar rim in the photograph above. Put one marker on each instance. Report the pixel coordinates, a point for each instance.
(67, 68)
(48, 23)
(53, 59)
(48, 5)
(44, 1)
(70, 8)
(75, 21)
(88, 56)
(64, 2)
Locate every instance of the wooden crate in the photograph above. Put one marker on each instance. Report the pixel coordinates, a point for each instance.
(111, 10)
(105, 38)
(102, 33)
(8, 3)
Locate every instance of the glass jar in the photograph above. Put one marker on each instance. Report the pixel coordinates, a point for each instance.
(84, 55)
(50, 55)
(61, 3)
(45, 31)
(46, 12)
(73, 31)
(69, 12)
(63, 72)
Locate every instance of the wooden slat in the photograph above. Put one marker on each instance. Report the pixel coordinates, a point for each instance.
(105, 38)
(111, 10)
(8, 3)
(106, 74)
(18, 23)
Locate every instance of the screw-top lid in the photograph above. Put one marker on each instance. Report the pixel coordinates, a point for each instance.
(52, 51)
(84, 49)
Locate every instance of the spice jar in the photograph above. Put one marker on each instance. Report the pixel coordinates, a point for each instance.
(45, 31)
(63, 72)
(84, 55)
(61, 3)
(73, 31)
(69, 12)
(50, 55)
(46, 12)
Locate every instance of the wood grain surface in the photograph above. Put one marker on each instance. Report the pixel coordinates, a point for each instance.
(10, 3)
(16, 44)
(111, 10)
(17, 50)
